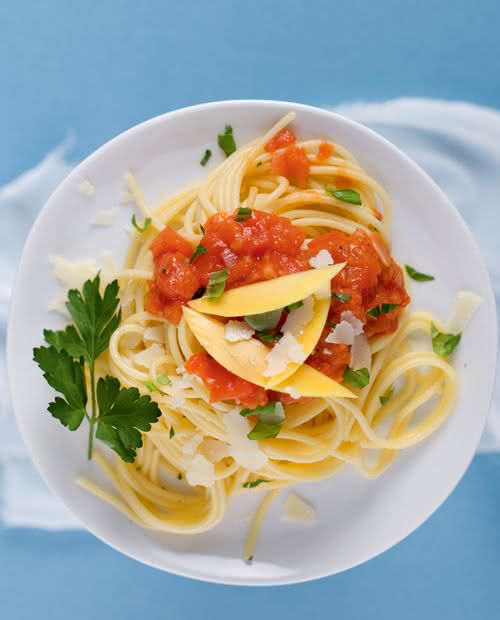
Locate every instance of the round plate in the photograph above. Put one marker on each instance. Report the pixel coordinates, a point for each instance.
(356, 519)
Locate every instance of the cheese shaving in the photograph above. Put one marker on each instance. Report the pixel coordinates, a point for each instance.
(149, 356)
(298, 318)
(322, 259)
(105, 217)
(464, 308)
(237, 330)
(287, 349)
(200, 472)
(343, 333)
(244, 451)
(86, 188)
(351, 318)
(297, 510)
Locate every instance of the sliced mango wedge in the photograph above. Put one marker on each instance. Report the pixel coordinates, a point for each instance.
(269, 295)
(247, 359)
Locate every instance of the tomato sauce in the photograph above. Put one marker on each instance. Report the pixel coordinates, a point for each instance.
(325, 150)
(263, 247)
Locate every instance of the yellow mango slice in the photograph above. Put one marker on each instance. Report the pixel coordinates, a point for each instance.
(269, 295)
(247, 359)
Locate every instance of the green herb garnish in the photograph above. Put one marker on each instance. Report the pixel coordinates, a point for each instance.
(346, 195)
(443, 344)
(357, 378)
(342, 297)
(206, 157)
(202, 228)
(171, 433)
(179, 476)
(164, 380)
(267, 337)
(254, 483)
(269, 422)
(216, 284)
(381, 309)
(226, 141)
(117, 415)
(151, 386)
(264, 321)
(417, 275)
(294, 306)
(386, 397)
(244, 213)
(200, 249)
(144, 227)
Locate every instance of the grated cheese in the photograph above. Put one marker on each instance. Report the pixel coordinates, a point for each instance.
(154, 334)
(464, 308)
(238, 330)
(291, 391)
(322, 259)
(297, 319)
(86, 188)
(351, 318)
(149, 356)
(287, 349)
(214, 449)
(361, 353)
(200, 471)
(105, 217)
(342, 333)
(190, 446)
(244, 451)
(297, 510)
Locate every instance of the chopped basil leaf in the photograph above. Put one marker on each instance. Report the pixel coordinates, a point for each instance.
(382, 309)
(342, 297)
(151, 386)
(443, 344)
(200, 249)
(164, 380)
(264, 321)
(270, 418)
(244, 213)
(206, 157)
(254, 483)
(226, 141)
(346, 195)
(417, 275)
(179, 476)
(144, 227)
(357, 378)
(332, 324)
(216, 284)
(202, 228)
(259, 163)
(171, 432)
(386, 397)
(267, 337)
(297, 304)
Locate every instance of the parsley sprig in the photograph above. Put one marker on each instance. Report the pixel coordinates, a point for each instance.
(117, 415)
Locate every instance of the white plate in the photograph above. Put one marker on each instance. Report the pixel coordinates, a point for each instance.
(357, 519)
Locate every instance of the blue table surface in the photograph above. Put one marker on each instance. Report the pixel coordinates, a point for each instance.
(100, 67)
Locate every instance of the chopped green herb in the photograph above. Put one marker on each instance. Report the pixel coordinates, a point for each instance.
(206, 157)
(171, 433)
(264, 321)
(417, 275)
(200, 249)
(267, 337)
(226, 141)
(254, 483)
(202, 228)
(179, 476)
(381, 309)
(244, 213)
(152, 387)
(259, 163)
(444, 344)
(270, 418)
(144, 227)
(331, 324)
(342, 297)
(216, 284)
(346, 195)
(357, 378)
(294, 306)
(386, 397)
(164, 380)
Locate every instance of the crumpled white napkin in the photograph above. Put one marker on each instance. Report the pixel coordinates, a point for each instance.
(458, 144)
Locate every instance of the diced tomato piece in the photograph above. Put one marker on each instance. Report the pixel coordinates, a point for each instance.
(283, 138)
(343, 182)
(175, 278)
(155, 304)
(330, 359)
(325, 150)
(170, 241)
(286, 399)
(293, 164)
(390, 290)
(223, 384)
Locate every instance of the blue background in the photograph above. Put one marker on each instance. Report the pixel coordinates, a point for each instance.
(100, 67)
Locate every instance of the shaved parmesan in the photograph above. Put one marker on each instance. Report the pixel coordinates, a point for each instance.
(86, 188)
(322, 259)
(464, 308)
(361, 353)
(305, 243)
(200, 472)
(155, 334)
(72, 274)
(324, 291)
(351, 318)
(149, 356)
(343, 333)
(291, 391)
(126, 198)
(297, 510)
(287, 349)
(105, 217)
(189, 447)
(238, 330)
(214, 449)
(108, 267)
(243, 450)
(297, 319)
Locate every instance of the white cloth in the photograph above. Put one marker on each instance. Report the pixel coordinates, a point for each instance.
(458, 144)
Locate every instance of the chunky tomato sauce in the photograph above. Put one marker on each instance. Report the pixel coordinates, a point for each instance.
(263, 247)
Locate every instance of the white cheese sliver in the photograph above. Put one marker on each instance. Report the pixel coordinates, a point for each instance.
(361, 353)
(245, 452)
(86, 188)
(192, 444)
(291, 391)
(72, 274)
(322, 259)
(155, 334)
(343, 333)
(214, 449)
(297, 319)
(324, 291)
(287, 349)
(149, 356)
(200, 471)
(297, 510)
(237, 330)
(464, 308)
(351, 318)
(105, 217)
